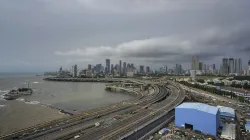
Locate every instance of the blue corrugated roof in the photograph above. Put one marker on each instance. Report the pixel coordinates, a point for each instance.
(226, 111)
(247, 126)
(200, 107)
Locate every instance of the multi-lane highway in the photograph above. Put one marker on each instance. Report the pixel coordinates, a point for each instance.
(142, 119)
(154, 106)
(76, 129)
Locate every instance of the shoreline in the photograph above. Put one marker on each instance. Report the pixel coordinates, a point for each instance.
(102, 80)
(60, 110)
(71, 112)
(24, 114)
(33, 103)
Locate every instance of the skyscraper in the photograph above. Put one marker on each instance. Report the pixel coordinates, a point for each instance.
(132, 66)
(141, 69)
(178, 69)
(214, 67)
(166, 69)
(200, 66)
(89, 66)
(116, 68)
(225, 66)
(231, 65)
(107, 65)
(195, 63)
(112, 68)
(120, 67)
(98, 68)
(124, 68)
(204, 68)
(75, 70)
(248, 68)
(238, 66)
(147, 69)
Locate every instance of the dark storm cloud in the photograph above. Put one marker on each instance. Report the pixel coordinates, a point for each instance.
(207, 44)
(45, 34)
(237, 38)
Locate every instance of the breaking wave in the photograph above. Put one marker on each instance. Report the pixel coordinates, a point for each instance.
(1, 106)
(4, 91)
(33, 102)
(20, 99)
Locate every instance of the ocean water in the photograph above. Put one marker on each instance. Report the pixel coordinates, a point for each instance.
(61, 95)
(47, 98)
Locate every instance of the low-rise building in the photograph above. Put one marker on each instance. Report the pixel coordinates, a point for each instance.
(198, 116)
(89, 73)
(227, 82)
(130, 74)
(226, 113)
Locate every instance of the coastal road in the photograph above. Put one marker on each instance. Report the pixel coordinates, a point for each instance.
(119, 129)
(75, 129)
(57, 124)
(67, 122)
(160, 111)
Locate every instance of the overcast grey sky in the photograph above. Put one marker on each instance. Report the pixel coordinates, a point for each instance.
(39, 35)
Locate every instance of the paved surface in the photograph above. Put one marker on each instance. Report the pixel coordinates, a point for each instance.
(120, 129)
(82, 124)
(59, 124)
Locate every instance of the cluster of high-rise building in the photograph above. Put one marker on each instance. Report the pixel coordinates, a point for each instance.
(120, 69)
(231, 66)
(202, 68)
(178, 69)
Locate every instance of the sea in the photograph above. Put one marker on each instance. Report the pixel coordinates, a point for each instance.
(62, 95)
(48, 99)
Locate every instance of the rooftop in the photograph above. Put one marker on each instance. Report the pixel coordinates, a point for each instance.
(226, 111)
(228, 131)
(200, 107)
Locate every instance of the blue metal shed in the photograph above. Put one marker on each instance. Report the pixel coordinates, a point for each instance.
(198, 116)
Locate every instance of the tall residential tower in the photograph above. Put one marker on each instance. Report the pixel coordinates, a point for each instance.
(120, 67)
(231, 65)
(107, 66)
(195, 63)
(225, 66)
(238, 66)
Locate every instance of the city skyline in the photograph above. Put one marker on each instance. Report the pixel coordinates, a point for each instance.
(200, 65)
(228, 67)
(154, 33)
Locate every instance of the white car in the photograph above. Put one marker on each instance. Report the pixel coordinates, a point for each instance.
(97, 124)
(76, 137)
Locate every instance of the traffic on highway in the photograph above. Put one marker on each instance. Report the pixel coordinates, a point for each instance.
(140, 112)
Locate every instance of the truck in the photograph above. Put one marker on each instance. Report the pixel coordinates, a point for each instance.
(163, 130)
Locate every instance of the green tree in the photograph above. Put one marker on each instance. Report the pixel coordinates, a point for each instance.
(241, 98)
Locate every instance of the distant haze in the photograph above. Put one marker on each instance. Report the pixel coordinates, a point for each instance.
(42, 35)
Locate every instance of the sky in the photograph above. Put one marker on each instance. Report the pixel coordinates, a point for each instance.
(42, 35)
